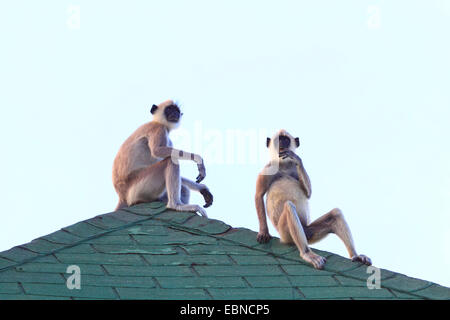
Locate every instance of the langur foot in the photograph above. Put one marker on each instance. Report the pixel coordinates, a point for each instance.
(263, 237)
(189, 208)
(201, 211)
(362, 259)
(317, 261)
(207, 195)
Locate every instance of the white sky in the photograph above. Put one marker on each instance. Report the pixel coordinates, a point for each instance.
(364, 84)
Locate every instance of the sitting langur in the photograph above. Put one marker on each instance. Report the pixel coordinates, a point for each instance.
(147, 168)
(288, 189)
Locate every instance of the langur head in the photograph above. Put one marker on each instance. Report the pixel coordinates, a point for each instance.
(167, 113)
(281, 141)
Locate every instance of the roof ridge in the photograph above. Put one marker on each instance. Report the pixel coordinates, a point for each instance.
(343, 271)
(82, 239)
(180, 227)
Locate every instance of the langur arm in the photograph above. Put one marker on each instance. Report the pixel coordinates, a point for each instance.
(159, 147)
(261, 189)
(158, 144)
(303, 177)
(192, 185)
(203, 189)
(305, 182)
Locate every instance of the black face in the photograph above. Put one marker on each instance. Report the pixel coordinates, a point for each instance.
(285, 142)
(172, 113)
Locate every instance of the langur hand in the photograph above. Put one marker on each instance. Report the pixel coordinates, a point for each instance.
(201, 172)
(207, 196)
(263, 237)
(363, 259)
(291, 155)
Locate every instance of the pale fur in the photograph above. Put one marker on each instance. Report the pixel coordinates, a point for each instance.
(145, 167)
(159, 117)
(284, 190)
(288, 191)
(273, 146)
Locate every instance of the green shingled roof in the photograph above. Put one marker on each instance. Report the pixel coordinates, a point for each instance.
(148, 252)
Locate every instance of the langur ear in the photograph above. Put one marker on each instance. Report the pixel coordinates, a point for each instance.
(297, 142)
(268, 142)
(154, 108)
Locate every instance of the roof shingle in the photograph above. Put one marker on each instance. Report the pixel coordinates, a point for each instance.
(148, 252)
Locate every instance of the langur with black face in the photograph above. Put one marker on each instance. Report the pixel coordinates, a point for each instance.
(147, 168)
(288, 190)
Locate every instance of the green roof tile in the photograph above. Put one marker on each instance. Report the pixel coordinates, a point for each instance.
(209, 226)
(48, 258)
(201, 282)
(144, 230)
(434, 291)
(80, 248)
(241, 236)
(405, 296)
(338, 263)
(147, 209)
(149, 271)
(59, 268)
(220, 249)
(27, 277)
(118, 281)
(275, 246)
(30, 297)
(126, 216)
(10, 288)
(254, 260)
(162, 294)
(105, 222)
(223, 271)
(404, 283)
(148, 252)
(255, 293)
(134, 248)
(4, 263)
(182, 238)
(269, 281)
(62, 237)
(345, 292)
(112, 239)
(313, 281)
(303, 270)
(83, 230)
(99, 258)
(360, 272)
(18, 254)
(176, 217)
(350, 282)
(61, 290)
(188, 260)
(42, 246)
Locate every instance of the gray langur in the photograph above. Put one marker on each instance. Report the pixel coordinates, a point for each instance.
(288, 190)
(147, 168)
